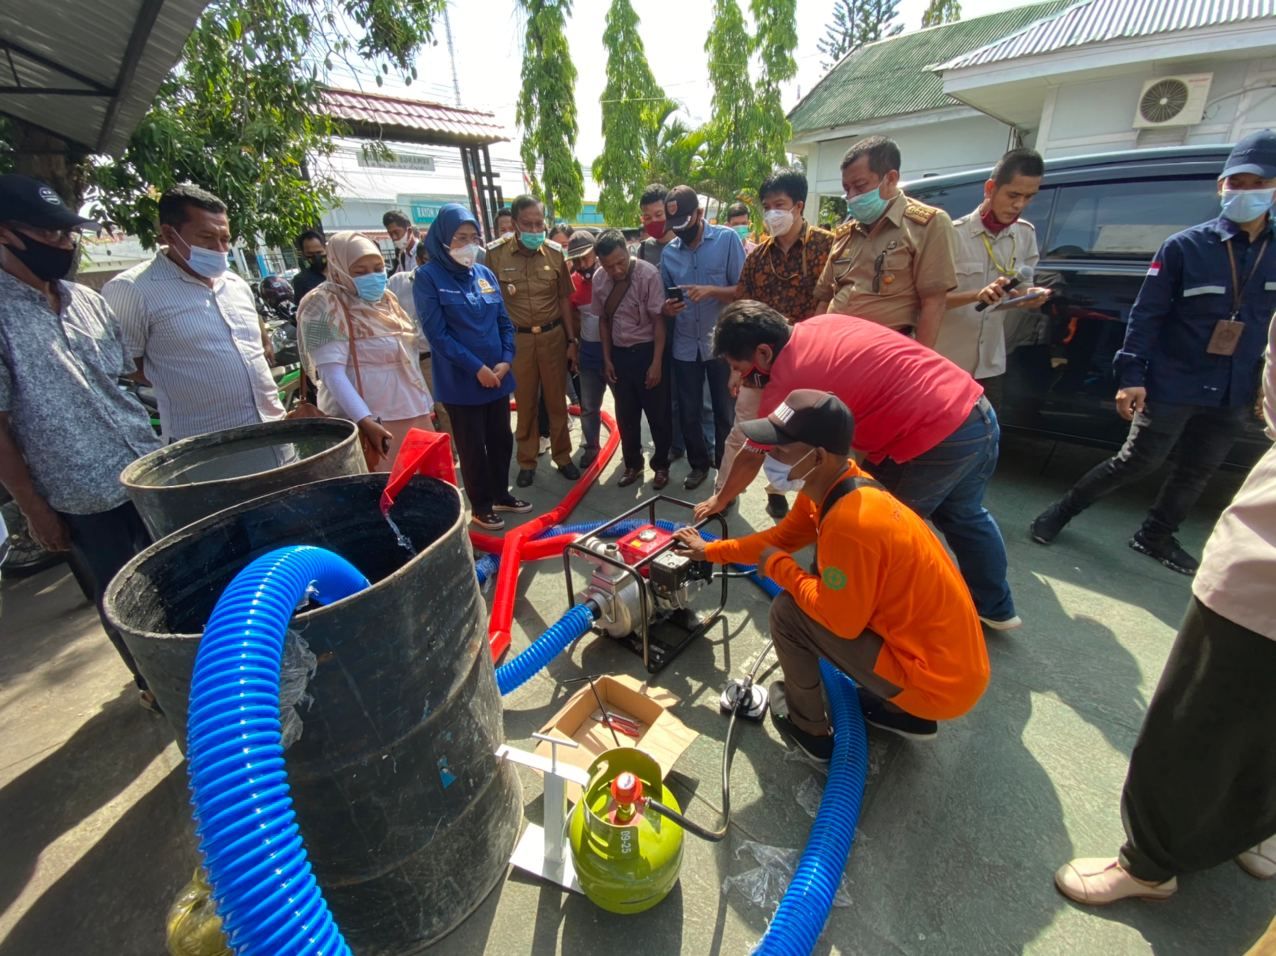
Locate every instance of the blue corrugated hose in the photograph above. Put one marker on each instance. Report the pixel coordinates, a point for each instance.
(268, 899)
(803, 911)
(544, 649)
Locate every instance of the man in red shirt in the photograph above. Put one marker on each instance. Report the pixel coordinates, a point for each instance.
(922, 426)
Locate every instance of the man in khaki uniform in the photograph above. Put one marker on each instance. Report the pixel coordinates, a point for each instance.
(994, 246)
(537, 289)
(893, 261)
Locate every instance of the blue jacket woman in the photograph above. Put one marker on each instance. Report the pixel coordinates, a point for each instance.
(472, 345)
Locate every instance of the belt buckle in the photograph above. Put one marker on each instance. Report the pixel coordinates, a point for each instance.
(535, 330)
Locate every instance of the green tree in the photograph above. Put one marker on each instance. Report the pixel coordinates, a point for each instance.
(776, 39)
(856, 22)
(546, 112)
(941, 11)
(632, 102)
(732, 134)
(672, 153)
(240, 114)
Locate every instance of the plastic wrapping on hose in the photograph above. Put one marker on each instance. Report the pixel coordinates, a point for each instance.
(809, 792)
(766, 884)
(802, 913)
(485, 567)
(193, 927)
(295, 670)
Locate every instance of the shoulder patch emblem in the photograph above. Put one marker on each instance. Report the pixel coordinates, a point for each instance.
(919, 212)
(844, 229)
(484, 285)
(834, 578)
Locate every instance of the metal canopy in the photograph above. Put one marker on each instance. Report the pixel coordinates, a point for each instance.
(85, 70)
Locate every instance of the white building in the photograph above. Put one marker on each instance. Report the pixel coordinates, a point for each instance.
(1064, 77)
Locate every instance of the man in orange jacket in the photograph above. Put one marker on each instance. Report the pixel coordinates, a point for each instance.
(885, 603)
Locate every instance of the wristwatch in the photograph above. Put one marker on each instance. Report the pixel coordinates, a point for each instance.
(573, 341)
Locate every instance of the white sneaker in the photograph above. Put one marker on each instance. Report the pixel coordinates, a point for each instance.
(544, 447)
(1009, 624)
(1260, 862)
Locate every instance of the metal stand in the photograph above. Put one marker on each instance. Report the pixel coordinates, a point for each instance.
(655, 653)
(544, 851)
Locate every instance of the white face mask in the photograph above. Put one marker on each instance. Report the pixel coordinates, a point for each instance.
(778, 221)
(466, 255)
(402, 243)
(209, 263)
(780, 475)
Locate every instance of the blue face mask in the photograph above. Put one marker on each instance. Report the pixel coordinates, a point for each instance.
(370, 286)
(1246, 205)
(532, 240)
(867, 207)
(209, 263)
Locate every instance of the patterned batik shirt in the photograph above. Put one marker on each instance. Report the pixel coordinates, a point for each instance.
(59, 384)
(786, 280)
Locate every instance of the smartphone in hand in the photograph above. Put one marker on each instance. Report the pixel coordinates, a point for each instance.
(674, 292)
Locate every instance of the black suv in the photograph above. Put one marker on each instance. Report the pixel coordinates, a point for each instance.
(1099, 220)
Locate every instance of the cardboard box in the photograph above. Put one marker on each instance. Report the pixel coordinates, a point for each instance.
(661, 735)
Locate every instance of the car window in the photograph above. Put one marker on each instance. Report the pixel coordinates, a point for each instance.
(955, 200)
(1127, 219)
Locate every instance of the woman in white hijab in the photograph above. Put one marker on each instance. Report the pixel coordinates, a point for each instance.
(361, 347)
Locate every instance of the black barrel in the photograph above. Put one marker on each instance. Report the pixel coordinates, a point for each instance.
(408, 817)
(196, 477)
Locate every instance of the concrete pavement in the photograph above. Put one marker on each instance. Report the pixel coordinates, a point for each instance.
(958, 839)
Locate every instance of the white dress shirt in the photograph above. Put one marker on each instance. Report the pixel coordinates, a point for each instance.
(201, 347)
(976, 341)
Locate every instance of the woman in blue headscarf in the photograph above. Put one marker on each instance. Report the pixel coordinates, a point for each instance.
(472, 347)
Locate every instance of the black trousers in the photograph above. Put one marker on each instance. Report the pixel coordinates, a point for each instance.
(689, 379)
(634, 399)
(485, 444)
(1201, 787)
(1200, 438)
(101, 544)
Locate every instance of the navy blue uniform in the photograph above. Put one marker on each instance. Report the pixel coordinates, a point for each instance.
(1188, 290)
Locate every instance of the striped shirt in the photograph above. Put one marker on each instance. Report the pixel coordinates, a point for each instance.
(201, 347)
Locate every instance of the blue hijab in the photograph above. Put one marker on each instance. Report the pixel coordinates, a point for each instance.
(452, 216)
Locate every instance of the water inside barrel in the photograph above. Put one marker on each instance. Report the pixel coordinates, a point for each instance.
(237, 460)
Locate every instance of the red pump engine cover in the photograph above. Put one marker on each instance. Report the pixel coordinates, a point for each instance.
(641, 542)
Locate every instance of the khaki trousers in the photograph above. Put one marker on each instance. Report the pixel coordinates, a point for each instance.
(541, 358)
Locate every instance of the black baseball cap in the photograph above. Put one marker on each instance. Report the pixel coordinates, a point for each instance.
(34, 203)
(680, 205)
(808, 416)
(1256, 154)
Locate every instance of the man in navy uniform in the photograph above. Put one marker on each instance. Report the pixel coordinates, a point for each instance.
(1188, 372)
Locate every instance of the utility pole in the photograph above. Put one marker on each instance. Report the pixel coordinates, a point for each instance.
(451, 52)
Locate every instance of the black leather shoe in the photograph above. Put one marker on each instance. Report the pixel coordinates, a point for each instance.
(695, 479)
(569, 471)
(777, 506)
(661, 479)
(587, 458)
(525, 476)
(629, 477)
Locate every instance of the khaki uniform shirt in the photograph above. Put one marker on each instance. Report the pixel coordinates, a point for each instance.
(880, 272)
(533, 284)
(976, 341)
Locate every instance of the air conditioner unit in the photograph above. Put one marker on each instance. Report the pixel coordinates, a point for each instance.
(1173, 101)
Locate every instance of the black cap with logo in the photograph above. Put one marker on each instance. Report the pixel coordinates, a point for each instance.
(680, 205)
(34, 203)
(808, 416)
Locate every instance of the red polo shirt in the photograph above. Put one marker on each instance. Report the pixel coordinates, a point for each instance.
(906, 398)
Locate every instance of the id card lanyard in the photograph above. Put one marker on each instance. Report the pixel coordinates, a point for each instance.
(1001, 267)
(1238, 287)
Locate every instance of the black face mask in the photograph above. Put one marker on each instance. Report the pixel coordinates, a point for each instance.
(688, 235)
(46, 262)
(319, 263)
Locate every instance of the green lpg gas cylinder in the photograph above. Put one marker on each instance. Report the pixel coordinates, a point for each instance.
(627, 857)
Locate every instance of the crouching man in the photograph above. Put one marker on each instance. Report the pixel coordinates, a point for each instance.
(885, 603)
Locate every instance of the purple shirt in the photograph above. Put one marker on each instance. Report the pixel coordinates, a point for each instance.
(635, 318)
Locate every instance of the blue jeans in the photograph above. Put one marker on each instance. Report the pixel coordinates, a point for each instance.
(946, 486)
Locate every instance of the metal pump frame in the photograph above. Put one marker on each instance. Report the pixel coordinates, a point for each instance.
(655, 655)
